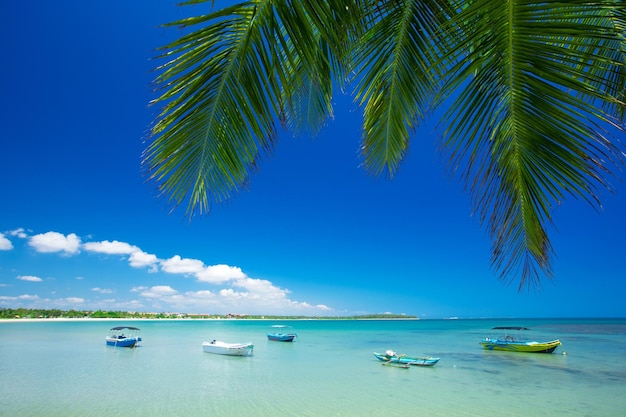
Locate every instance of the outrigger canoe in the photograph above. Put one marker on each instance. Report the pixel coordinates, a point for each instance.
(391, 357)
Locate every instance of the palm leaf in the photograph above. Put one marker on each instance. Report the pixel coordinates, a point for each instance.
(536, 93)
(394, 81)
(538, 83)
(227, 82)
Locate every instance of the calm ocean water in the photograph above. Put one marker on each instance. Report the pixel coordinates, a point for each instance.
(63, 368)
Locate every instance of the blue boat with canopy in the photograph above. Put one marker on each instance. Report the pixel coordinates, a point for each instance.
(123, 336)
(281, 335)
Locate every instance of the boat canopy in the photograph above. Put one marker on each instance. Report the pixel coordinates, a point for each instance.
(124, 327)
(511, 328)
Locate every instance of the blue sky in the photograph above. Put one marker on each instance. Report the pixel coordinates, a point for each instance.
(314, 234)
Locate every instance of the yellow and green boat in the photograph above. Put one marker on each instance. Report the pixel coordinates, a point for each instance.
(510, 344)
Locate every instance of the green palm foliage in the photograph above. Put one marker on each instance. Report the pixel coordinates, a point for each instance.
(534, 92)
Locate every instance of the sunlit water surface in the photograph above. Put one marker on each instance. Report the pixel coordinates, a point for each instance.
(63, 368)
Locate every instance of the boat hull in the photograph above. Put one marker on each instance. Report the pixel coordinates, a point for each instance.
(228, 349)
(281, 337)
(407, 360)
(125, 342)
(518, 346)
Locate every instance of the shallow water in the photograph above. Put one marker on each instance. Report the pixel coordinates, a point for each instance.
(63, 368)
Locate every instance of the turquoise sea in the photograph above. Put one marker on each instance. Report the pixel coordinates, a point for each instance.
(63, 368)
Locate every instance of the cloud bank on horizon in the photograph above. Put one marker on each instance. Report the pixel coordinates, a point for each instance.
(222, 288)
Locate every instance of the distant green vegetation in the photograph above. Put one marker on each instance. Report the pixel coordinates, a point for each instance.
(24, 313)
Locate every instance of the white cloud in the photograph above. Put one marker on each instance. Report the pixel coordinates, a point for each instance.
(203, 295)
(111, 248)
(20, 232)
(158, 291)
(260, 286)
(23, 297)
(29, 278)
(34, 301)
(102, 290)
(55, 242)
(28, 297)
(137, 258)
(232, 291)
(217, 274)
(178, 265)
(5, 244)
(263, 298)
(142, 259)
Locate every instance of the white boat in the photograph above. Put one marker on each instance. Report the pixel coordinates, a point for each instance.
(231, 349)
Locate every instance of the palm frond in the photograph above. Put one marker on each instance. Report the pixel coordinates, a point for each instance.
(529, 125)
(211, 131)
(537, 93)
(225, 85)
(394, 82)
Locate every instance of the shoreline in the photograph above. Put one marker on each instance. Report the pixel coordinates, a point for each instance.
(277, 319)
(39, 320)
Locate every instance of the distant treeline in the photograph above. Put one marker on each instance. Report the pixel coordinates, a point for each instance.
(25, 313)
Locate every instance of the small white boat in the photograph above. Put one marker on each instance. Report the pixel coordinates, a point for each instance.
(231, 349)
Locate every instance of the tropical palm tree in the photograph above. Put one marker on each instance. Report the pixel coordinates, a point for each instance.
(534, 92)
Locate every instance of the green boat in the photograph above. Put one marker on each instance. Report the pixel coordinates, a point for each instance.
(510, 344)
